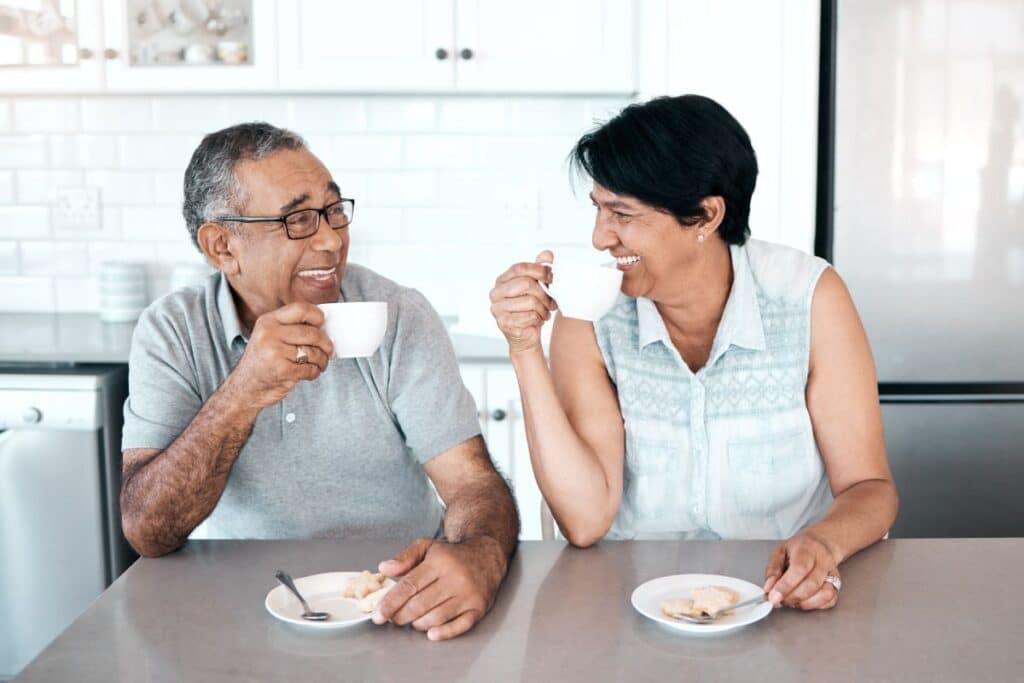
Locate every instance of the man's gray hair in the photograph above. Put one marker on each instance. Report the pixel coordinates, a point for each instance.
(211, 188)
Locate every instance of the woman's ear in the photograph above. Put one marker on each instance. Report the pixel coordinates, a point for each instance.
(714, 214)
(215, 241)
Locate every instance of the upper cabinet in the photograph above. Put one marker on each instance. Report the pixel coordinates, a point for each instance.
(471, 46)
(569, 46)
(190, 45)
(354, 45)
(50, 46)
(330, 46)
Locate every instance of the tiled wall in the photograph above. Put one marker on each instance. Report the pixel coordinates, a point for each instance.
(450, 189)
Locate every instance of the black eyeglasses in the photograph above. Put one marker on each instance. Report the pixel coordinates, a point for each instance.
(305, 222)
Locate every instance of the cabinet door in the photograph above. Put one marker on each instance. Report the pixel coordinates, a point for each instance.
(541, 46)
(353, 45)
(45, 50)
(507, 438)
(214, 47)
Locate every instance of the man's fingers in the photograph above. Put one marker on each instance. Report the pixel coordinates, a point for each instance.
(403, 591)
(299, 312)
(825, 598)
(306, 335)
(455, 627)
(439, 614)
(427, 598)
(410, 556)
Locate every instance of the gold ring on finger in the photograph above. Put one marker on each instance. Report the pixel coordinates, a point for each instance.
(301, 355)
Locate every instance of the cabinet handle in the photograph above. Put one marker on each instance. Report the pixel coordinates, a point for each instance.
(441, 54)
(85, 53)
(498, 415)
(110, 53)
(466, 53)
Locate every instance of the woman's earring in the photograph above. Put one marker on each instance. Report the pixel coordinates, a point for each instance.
(700, 236)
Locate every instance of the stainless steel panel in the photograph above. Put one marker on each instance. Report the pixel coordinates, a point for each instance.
(959, 468)
(929, 184)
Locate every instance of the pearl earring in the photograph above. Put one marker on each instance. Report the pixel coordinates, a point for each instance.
(700, 237)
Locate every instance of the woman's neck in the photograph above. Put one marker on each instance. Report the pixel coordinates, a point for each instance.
(699, 296)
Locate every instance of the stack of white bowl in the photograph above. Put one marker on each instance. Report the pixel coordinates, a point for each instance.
(122, 291)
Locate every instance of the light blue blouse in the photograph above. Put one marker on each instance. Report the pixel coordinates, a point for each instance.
(727, 452)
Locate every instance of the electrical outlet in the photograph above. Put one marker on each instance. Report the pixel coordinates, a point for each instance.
(77, 209)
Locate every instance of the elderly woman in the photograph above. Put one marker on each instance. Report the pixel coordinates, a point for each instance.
(729, 393)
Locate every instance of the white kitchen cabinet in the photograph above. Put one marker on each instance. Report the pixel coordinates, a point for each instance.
(569, 46)
(353, 45)
(192, 59)
(532, 46)
(45, 53)
(494, 387)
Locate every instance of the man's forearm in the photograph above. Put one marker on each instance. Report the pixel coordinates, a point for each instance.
(165, 498)
(484, 510)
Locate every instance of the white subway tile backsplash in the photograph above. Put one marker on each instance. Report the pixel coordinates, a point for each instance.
(402, 114)
(54, 258)
(190, 114)
(327, 115)
(377, 226)
(100, 252)
(120, 188)
(83, 151)
(439, 151)
(240, 109)
(77, 294)
(160, 224)
(6, 187)
(157, 151)
(19, 222)
(366, 151)
(408, 188)
(476, 182)
(26, 294)
(117, 114)
(9, 261)
(49, 114)
(40, 187)
(23, 151)
(169, 187)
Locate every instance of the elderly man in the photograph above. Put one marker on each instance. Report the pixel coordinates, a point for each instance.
(238, 416)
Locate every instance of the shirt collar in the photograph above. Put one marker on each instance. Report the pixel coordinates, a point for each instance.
(228, 313)
(741, 323)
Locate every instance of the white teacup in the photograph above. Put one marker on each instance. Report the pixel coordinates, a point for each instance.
(583, 291)
(356, 328)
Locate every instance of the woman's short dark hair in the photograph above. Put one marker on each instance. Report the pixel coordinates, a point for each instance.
(671, 153)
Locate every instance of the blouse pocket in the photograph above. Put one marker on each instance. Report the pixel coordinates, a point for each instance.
(769, 474)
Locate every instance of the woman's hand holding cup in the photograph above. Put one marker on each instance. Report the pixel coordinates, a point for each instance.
(520, 305)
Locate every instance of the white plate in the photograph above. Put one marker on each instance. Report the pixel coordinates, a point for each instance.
(647, 599)
(323, 593)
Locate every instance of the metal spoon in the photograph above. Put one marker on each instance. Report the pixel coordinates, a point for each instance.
(709, 618)
(290, 585)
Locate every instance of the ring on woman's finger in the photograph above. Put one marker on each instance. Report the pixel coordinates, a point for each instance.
(301, 355)
(836, 582)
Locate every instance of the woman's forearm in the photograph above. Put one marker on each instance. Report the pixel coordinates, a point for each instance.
(567, 470)
(860, 516)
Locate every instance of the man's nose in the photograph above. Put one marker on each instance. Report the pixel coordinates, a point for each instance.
(327, 238)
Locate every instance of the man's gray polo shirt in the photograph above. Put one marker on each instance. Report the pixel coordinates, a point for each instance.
(340, 456)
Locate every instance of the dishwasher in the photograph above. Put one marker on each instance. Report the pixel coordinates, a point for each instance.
(60, 530)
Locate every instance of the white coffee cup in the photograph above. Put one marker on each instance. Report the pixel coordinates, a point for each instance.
(356, 328)
(583, 291)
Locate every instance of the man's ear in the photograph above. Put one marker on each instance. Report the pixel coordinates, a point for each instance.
(714, 214)
(215, 241)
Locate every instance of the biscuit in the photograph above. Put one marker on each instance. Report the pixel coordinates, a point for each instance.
(703, 601)
(362, 585)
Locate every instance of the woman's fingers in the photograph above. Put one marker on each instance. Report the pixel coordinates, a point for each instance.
(825, 598)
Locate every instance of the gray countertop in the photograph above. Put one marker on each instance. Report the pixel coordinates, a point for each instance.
(84, 338)
(911, 610)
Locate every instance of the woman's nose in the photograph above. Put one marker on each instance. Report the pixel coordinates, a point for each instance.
(604, 237)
